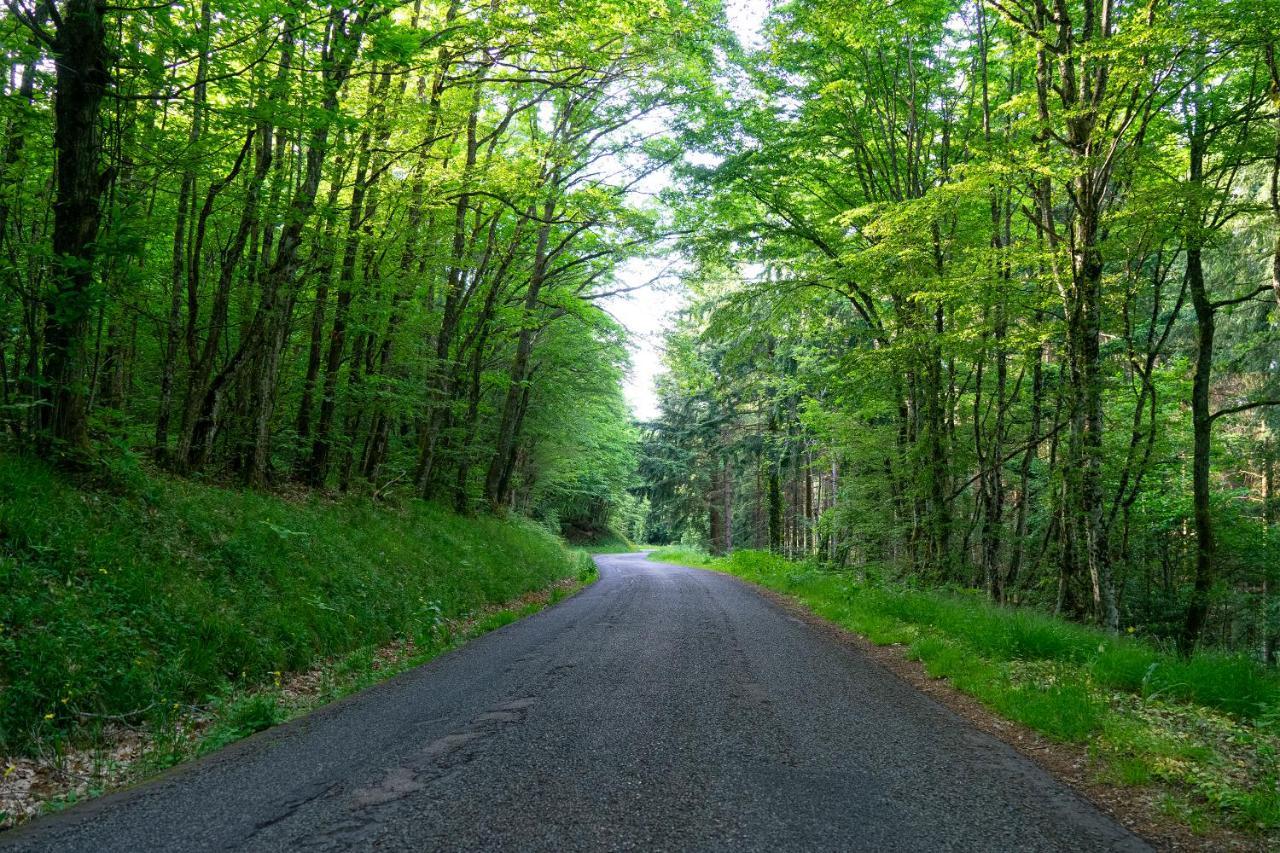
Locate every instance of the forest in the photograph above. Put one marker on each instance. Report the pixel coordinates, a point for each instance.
(307, 369)
(983, 295)
(331, 245)
(318, 353)
(980, 294)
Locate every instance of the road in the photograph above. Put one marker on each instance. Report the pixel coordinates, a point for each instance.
(662, 708)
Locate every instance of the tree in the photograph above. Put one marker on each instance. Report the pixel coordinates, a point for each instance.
(999, 242)
(78, 45)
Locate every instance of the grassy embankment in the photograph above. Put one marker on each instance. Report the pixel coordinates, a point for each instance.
(1205, 730)
(607, 541)
(144, 600)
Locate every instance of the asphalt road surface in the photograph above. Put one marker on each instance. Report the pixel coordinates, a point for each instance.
(662, 708)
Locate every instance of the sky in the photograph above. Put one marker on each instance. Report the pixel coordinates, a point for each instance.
(649, 311)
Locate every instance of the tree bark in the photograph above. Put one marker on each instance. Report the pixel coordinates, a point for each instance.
(1273, 66)
(505, 444)
(270, 326)
(1201, 416)
(319, 309)
(82, 80)
(455, 301)
(318, 469)
(186, 194)
(1270, 515)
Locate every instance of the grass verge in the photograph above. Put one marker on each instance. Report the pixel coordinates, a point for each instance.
(122, 755)
(606, 541)
(146, 615)
(1204, 730)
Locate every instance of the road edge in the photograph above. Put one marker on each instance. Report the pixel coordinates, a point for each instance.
(525, 606)
(1136, 808)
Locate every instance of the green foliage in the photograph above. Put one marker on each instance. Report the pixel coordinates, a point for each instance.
(607, 541)
(687, 556)
(629, 516)
(588, 571)
(1231, 683)
(414, 292)
(916, 341)
(111, 603)
(241, 717)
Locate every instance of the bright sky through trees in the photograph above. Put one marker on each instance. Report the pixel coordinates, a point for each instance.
(647, 313)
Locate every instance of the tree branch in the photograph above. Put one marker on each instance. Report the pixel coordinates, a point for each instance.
(1243, 407)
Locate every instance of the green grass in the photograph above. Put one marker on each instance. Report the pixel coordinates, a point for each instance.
(1208, 726)
(241, 713)
(155, 591)
(604, 542)
(177, 734)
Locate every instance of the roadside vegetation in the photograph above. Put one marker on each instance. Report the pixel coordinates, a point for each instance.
(118, 753)
(607, 541)
(979, 358)
(311, 363)
(1204, 729)
(146, 593)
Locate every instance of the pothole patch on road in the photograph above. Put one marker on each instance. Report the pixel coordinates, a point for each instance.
(398, 783)
(441, 755)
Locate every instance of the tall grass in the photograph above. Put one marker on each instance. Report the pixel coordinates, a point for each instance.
(1231, 683)
(113, 602)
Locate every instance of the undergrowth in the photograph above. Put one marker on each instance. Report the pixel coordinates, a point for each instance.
(607, 541)
(237, 712)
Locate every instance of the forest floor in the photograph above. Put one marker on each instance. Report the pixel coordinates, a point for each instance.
(660, 708)
(1185, 752)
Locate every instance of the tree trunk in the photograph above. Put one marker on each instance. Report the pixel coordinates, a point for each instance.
(461, 490)
(1273, 66)
(455, 301)
(513, 459)
(204, 399)
(1201, 418)
(271, 322)
(519, 374)
(939, 515)
(726, 501)
(1024, 476)
(82, 80)
(715, 514)
(318, 469)
(319, 308)
(1270, 514)
(186, 197)
(775, 487)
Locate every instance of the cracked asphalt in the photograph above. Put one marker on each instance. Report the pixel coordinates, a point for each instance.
(662, 708)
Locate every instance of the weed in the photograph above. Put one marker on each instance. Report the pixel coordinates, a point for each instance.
(242, 717)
